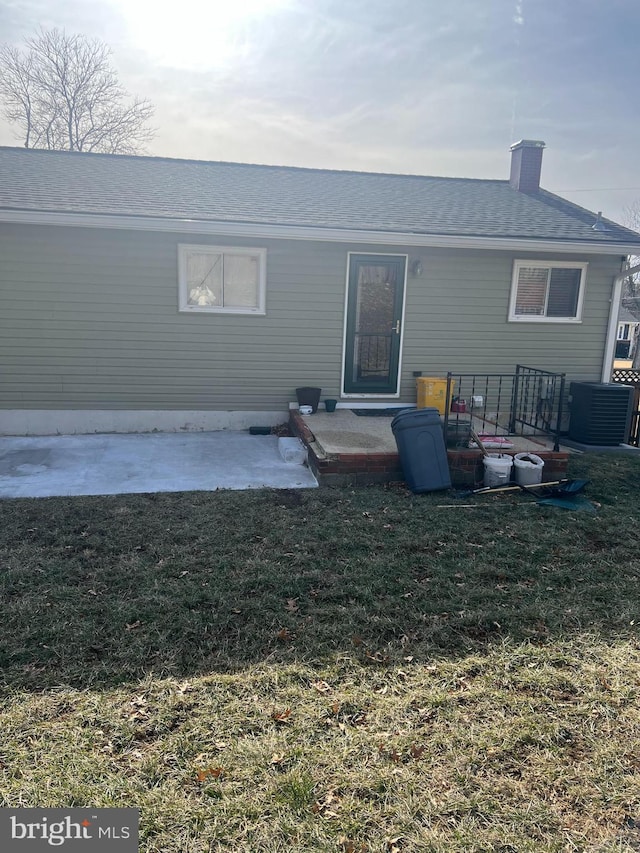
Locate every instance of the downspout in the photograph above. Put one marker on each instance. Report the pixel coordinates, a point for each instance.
(610, 343)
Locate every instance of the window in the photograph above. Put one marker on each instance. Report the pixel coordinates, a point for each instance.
(624, 331)
(547, 292)
(222, 279)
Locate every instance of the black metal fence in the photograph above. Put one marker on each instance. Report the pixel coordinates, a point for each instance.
(527, 402)
(631, 377)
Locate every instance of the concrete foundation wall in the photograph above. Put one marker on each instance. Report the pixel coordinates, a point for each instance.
(77, 422)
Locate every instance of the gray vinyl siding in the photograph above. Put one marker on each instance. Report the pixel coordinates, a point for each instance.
(457, 314)
(90, 320)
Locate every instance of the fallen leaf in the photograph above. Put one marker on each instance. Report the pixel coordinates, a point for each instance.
(416, 751)
(214, 772)
(281, 716)
(349, 846)
(139, 715)
(131, 626)
(335, 707)
(322, 806)
(377, 657)
(357, 641)
(321, 686)
(284, 634)
(291, 605)
(277, 758)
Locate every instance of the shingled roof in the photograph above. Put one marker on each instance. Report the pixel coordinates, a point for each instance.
(75, 183)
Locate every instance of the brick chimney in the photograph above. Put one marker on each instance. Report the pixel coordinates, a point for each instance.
(526, 164)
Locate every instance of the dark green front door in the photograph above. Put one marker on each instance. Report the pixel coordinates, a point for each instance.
(374, 324)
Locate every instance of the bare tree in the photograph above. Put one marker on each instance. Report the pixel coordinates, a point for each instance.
(63, 94)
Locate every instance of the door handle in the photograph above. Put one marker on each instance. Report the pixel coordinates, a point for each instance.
(396, 328)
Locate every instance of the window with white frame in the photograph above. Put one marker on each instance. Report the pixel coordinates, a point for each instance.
(624, 331)
(547, 291)
(222, 279)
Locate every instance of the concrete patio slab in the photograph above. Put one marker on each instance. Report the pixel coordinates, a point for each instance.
(65, 465)
(343, 431)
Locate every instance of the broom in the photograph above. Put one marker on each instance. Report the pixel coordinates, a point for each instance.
(563, 488)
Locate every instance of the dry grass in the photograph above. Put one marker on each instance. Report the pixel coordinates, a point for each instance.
(330, 671)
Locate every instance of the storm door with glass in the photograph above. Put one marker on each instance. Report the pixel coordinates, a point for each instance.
(374, 323)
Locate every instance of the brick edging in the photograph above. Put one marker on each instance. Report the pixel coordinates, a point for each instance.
(465, 465)
(299, 427)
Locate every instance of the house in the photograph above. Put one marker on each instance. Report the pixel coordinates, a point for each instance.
(143, 293)
(627, 336)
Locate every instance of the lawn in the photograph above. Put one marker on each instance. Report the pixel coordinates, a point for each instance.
(330, 670)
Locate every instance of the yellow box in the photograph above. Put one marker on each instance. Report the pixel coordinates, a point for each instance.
(432, 392)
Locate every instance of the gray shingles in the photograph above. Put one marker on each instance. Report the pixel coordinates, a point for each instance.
(629, 310)
(234, 192)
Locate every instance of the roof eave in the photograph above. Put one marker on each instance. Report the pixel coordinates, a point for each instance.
(314, 233)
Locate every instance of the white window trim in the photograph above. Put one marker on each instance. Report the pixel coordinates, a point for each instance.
(183, 302)
(532, 318)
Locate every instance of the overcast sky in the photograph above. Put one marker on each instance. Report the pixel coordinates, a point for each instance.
(437, 87)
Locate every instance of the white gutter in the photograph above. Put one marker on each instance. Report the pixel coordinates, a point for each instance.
(296, 232)
(612, 330)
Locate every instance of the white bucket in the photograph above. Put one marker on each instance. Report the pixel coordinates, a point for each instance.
(528, 469)
(292, 450)
(497, 469)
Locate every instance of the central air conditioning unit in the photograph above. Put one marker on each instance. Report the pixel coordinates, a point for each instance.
(600, 413)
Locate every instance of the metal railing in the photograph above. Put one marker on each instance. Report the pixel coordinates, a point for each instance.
(629, 376)
(527, 402)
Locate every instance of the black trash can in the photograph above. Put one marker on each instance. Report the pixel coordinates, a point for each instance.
(423, 455)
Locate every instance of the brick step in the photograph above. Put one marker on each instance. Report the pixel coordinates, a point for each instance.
(465, 465)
